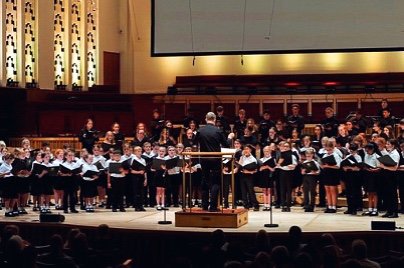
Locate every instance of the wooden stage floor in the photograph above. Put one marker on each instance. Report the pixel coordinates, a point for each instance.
(147, 221)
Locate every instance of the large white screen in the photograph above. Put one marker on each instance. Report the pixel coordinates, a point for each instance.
(198, 27)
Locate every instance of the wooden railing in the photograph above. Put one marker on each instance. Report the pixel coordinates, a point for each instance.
(73, 142)
(54, 142)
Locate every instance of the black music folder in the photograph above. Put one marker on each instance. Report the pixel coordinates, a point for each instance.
(250, 167)
(287, 158)
(270, 163)
(66, 170)
(90, 174)
(387, 161)
(99, 165)
(329, 160)
(349, 161)
(157, 163)
(310, 166)
(39, 168)
(115, 168)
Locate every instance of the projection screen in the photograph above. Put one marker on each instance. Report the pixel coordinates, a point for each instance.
(212, 27)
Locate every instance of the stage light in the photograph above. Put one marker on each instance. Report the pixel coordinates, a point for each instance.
(292, 84)
(11, 83)
(60, 87)
(77, 88)
(333, 61)
(32, 84)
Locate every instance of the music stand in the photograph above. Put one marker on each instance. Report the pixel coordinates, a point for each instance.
(271, 224)
(229, 153)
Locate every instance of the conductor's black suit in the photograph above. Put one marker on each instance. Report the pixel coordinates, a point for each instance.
(210, 139)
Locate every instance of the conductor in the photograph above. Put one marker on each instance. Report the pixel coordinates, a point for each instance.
(210, 138)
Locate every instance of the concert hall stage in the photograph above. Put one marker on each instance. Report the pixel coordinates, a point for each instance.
(147, 221)
(138, 233)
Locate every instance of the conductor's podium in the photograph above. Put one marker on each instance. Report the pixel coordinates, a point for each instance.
(196, 217)
(226, 218)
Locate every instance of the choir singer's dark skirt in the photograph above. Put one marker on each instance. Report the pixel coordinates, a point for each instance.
(8, 187)
(47, 185)
(159, 179)
(58, 183)
(102, 180)
(89, 188)
(264, 179)
(23, 184)
(372, 181)
(331, 177)
(36, 185)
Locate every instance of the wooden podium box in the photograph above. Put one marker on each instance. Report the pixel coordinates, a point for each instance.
(228, 218)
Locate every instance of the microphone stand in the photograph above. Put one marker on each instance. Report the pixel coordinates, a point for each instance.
(271, 224)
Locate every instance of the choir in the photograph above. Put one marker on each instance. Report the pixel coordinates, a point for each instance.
(339, 159)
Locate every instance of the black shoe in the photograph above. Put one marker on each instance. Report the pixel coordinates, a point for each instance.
(393, 215)
(366, 213)
(374, 213)
(22, 211)
(213, 210)
(285, 209)
(166, 208)
(226, 205)
(15, 213)
(387, 215)
(354, 213)
(122, 209)
(9, 214)
(35, 209)
(140, 209)
(348, 212)
(327, 210)
(74, 211)
(108, 207)
(114, 210)
(65, 211)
